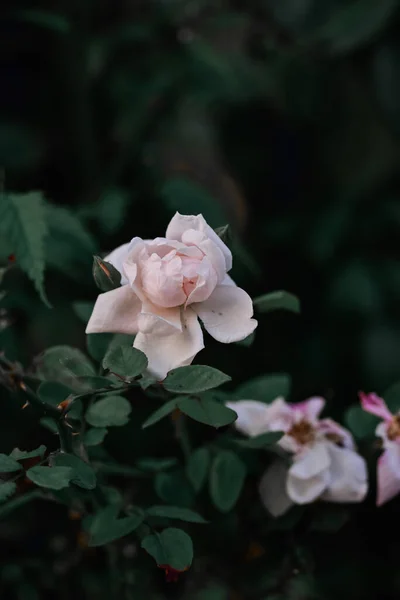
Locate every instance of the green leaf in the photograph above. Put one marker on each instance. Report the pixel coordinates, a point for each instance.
(7, 489)
(109, 411)
(82, 474)
(227, 477)
(95, 436)
(156, 464)
(126, 362)
(173, 488)
(106, 528)
(354, 24)
(277, 301)
(18, 454)
(172, 547)
(105, 275)
(64, 362)
(207, 411)
(197, 468)
(175, 512)
(97, 345)
(8, 464)
(43, 18)
(194, 379)
(23, 224)
(262, 441)
(53, 392)
(54, 478)
(83, 310)
(360, 423)
(265, 388)
(162, 412)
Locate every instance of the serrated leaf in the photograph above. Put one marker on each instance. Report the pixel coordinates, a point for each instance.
(95, 436)
(277, 301)
(265, 388)
(261, 441)
(197, 468)
(8, 464)
(23, 223)
(109, 411)
(194, 379)
(82, 474)
(127, 362)
(207, 411)
(7, 489)
(18, 454)
(54, 478)
(227, 476)
(175, 512)
(65, 364)
(162, 412)
(106, 528)
(172, 547)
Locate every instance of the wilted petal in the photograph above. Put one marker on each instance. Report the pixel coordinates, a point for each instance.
(117, 257)
(181, 223)
(348, 476)
(272, 489)
(252, 416)
(227, 313)
(388, 476)
(167, 348)
(375, 405)
(313, 460)
(116, 311)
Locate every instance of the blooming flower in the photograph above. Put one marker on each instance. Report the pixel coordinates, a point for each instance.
(167, 284)
(388, 468)
(324, 464)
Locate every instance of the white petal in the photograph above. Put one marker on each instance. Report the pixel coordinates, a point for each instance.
(116, 258)
(168, 348)
(388, 477)
(156, 319)
(304, 491)
(216, 258)
(312, 461)
(328, 427)
(348, 476)
(228, 281)
(227, 313)
(252, 416)
(272, 489)
(116, 311)
(311, 408)
(181, 223)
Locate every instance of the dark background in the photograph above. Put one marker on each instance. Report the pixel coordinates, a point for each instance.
(281, 118)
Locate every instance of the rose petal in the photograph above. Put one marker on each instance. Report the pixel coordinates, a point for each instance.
(310, 408)
(375, 405)
(328, 427)
(348, 476)
(168, 348)
(388, 477)
(304, 491)
(227, 313)
(117, 258)
(181, 223)
(313, 460)
(116, 311)
(272, 489)
(156, 319)
(252, 416)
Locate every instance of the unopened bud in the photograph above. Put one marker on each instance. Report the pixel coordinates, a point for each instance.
(105, 275)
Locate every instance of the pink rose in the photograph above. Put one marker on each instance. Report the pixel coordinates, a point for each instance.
(167, 284)
(325, 464)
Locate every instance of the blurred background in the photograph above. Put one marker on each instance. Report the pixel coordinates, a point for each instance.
(281, 118)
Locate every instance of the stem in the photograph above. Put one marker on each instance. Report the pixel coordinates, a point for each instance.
(65, 437)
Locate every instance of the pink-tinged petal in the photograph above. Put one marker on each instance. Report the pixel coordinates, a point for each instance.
(130, 266)
(304, 491)
(206, 282)
(227, 313)
(167, 348)
(216, 258)
(336, 432)
(116, 311)
(272, 489)
(280, 415)
(252, 416)
(375, 405)
(314, 459)
(117, 258)
(181, 223)
(388, 478)
(311, 408)
(156, 319)
(348, 476)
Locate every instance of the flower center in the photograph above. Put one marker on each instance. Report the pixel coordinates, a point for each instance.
(393, 430)
(303, 432)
